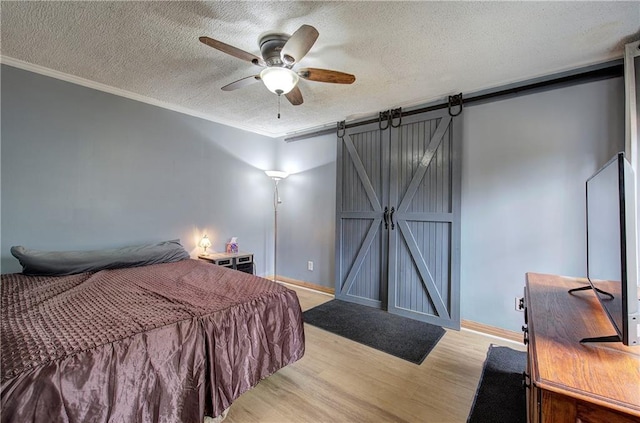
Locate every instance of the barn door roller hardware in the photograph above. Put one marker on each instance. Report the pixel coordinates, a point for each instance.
(341, 129)
(388, 116)
(383, 117)
(395, 114)
(455, 100)
(392, 118)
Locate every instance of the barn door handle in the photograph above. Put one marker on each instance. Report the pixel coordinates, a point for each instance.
(393, 225)
(386, 217)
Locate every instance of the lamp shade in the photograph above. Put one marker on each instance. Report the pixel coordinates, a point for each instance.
(205, 242)
(279, 80)
(276, 174)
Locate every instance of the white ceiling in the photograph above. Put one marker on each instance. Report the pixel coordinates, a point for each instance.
(402, 53)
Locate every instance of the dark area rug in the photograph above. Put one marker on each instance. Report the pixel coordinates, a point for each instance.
(404, 338)
(500, 397)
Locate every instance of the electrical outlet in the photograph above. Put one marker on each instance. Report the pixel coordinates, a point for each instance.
(519, 303)
(310, 266)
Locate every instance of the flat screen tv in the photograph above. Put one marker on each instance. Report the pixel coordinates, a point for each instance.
(612, 250)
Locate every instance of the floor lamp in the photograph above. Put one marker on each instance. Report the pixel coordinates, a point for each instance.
(276, 175)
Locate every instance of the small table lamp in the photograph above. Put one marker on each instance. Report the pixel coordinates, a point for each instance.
(205, 243)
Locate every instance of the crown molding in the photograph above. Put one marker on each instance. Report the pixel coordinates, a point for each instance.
(16, 63)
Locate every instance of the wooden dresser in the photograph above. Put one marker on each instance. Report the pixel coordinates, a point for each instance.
(568, 381)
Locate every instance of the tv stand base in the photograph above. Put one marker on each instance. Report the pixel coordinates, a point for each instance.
(611, 338)
(584, 288)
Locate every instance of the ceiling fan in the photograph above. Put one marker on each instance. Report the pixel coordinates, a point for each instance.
(280, 53)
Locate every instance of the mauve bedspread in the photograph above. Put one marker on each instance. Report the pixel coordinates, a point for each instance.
(161, 343)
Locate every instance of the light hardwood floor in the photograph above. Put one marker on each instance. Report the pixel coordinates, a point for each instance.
(339, 380)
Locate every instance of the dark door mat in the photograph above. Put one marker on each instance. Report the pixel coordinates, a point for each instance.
(399, 336)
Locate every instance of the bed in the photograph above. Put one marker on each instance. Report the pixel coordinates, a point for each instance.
(166, 342)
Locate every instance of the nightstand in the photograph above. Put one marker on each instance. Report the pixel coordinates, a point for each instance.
(240, 261)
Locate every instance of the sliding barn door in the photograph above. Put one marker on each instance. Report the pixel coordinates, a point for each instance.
(424, 241)
(361, 240)
(398, 217)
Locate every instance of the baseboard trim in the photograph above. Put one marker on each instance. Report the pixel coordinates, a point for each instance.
(304, 284)
(465, 324)
(492, 330)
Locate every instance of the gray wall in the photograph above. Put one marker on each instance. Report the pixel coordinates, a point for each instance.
(525, 162)
(83, 169)
(306, 217)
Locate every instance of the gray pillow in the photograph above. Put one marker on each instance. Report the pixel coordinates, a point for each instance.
(56, 263)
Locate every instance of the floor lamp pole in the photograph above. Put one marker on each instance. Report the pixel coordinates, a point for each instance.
(276, 175)
(276, 200)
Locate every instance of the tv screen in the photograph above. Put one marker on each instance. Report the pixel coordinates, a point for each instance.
(612, 266)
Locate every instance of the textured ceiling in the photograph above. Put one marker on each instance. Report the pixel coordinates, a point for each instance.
(402, 53)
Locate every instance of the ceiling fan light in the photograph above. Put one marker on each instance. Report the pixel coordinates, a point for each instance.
(279, 80)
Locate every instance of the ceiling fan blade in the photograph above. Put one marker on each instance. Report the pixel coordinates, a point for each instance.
(324, 75)
(294, 96)
(298, 44)
(241, 83)
(233, 51)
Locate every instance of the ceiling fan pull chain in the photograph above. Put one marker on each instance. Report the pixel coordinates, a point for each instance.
(342, 129)
(382, 116)
(279, 105)
(396, 113)
(455, 100)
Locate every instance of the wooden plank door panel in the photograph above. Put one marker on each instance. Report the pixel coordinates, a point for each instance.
(361, 242)
(423, 281)
(364, 259)
(423, 272)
